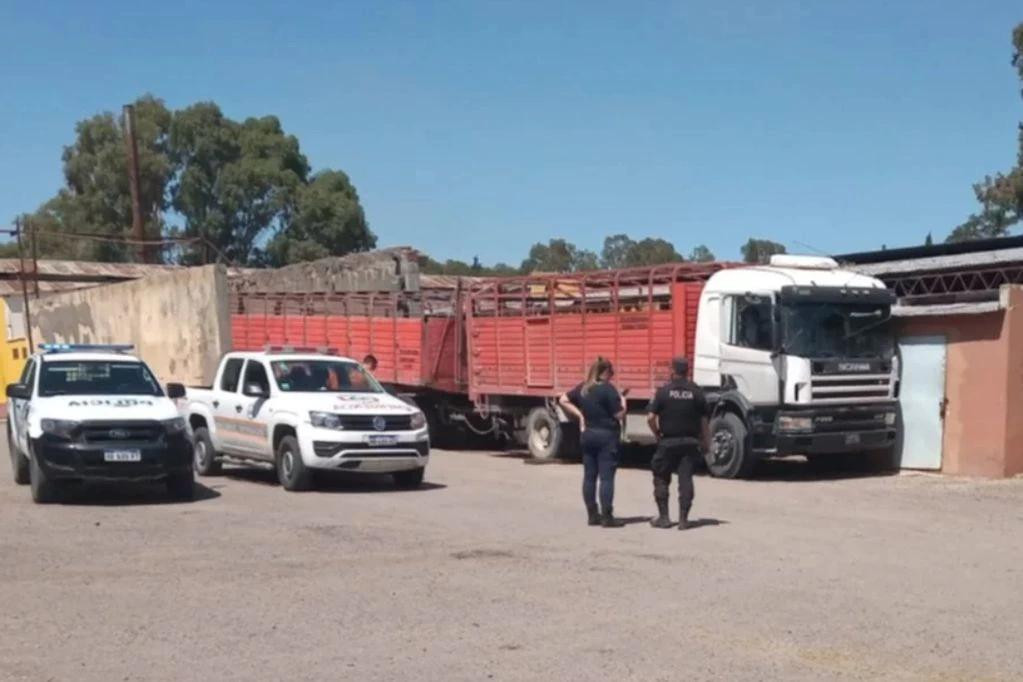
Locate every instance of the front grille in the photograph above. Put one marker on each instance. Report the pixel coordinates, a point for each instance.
(366, 422)
(121, 432)
(363, 450)
(850, 388)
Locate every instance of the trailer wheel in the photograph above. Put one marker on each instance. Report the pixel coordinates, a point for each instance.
(543, 433)
(729, 455)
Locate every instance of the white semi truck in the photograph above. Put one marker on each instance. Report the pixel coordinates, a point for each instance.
(798, 357)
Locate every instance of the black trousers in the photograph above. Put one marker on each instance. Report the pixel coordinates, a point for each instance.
(679, 456)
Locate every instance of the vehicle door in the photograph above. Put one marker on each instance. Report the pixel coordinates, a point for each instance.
(252, 411)
(747, 346)
(226, 396)
(19, 407)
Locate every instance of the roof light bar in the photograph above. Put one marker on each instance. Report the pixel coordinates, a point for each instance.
(321, 350)
(86, 347)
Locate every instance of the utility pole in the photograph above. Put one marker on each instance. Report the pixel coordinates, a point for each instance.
(24, 285)
(35, 261)
(131, 143)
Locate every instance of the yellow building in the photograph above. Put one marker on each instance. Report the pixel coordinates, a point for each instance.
(14, 350)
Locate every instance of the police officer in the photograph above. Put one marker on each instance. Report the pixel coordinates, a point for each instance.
(678, 417)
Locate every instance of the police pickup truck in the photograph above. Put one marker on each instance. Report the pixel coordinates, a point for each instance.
(95, 413)
(303, 412)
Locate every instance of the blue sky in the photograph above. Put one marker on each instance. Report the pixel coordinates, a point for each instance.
(477, 128)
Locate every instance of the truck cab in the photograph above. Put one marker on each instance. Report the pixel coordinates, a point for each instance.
(305, 411)
(798, 357)
(83, 413)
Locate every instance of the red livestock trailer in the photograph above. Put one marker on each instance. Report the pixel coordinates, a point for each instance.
(491, 355)
(532, 338)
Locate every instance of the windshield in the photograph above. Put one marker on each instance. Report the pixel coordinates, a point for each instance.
(837, 330)
(96, 377)
(323, 376)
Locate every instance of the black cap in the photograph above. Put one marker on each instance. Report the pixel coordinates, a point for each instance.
(680, 366)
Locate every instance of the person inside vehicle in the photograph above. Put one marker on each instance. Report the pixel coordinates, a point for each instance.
(598, 407)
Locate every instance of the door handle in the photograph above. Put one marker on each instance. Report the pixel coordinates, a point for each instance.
(216, 403)
(237, 408)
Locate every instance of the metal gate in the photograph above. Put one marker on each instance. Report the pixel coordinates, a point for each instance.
(922, 397)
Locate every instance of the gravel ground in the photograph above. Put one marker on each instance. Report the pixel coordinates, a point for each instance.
(489, 572)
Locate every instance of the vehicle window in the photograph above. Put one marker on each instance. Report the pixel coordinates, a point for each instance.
(28, 374)
(229, 377)
(323, 376)
(96, 377)
(255, 373)
(750, 322)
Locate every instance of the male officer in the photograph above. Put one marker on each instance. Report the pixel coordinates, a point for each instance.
(678, 417)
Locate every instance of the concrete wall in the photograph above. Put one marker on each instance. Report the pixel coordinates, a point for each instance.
(179, 321)
(983, 435)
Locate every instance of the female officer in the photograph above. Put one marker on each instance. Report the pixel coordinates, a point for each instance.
(598, 406)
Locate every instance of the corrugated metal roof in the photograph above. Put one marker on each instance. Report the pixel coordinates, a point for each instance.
(70, 269)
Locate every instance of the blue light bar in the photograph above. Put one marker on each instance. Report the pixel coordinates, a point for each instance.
(86, 347)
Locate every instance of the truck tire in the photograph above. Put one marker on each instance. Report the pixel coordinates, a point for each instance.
(883, 460)
(729, 455)
(291, 470)
(410, 479)
(544, 434)
(19, 462)
(205, 457)
(181, 487)
(44, 491)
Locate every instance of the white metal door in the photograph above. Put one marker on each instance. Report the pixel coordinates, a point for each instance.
(922, 396)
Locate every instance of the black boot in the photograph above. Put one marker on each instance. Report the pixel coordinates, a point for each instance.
(662, 520)
(608, 520)
(594, 515)
(683, 517)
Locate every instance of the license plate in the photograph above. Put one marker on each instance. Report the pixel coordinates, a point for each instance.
(381, 440)
(122, 456)
(852, 439)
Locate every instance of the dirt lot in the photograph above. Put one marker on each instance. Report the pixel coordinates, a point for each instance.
(490, 573)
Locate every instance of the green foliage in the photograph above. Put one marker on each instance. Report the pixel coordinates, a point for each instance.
(96, 198)
(1001, 195)
(243, 189)
(558, 255)
(620, 251)
(328, 221)
(760, 250)
(929, 241)
(701, 254)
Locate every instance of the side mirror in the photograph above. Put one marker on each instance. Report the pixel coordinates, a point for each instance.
(175, 391)
(255, 390)
(19, 391)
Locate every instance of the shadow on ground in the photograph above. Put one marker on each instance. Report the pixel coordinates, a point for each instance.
(790, 469)
(130, 494)
(328, 482)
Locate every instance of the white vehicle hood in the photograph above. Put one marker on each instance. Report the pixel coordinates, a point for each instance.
(104, 408)
(347, 403)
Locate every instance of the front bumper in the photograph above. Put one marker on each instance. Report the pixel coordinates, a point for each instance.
(64, 459)
(837, 430)
(352, 451)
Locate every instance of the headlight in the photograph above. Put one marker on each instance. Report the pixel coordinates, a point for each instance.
(62, 428)
(418, 420)
(174, 426)
(795, 423)
(889, 419)
(325, 420)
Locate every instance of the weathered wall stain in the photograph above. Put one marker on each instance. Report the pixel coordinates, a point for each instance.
(179, 321)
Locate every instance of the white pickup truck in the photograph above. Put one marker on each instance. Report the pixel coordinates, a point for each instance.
(304, 412)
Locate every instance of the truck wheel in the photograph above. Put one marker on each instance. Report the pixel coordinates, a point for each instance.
(291, 470)
(883, 460)
(44, 491)
(205, 457)
(729, 455)
(19, 462)
(410, 479)
(181, 487)
(543, 434)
